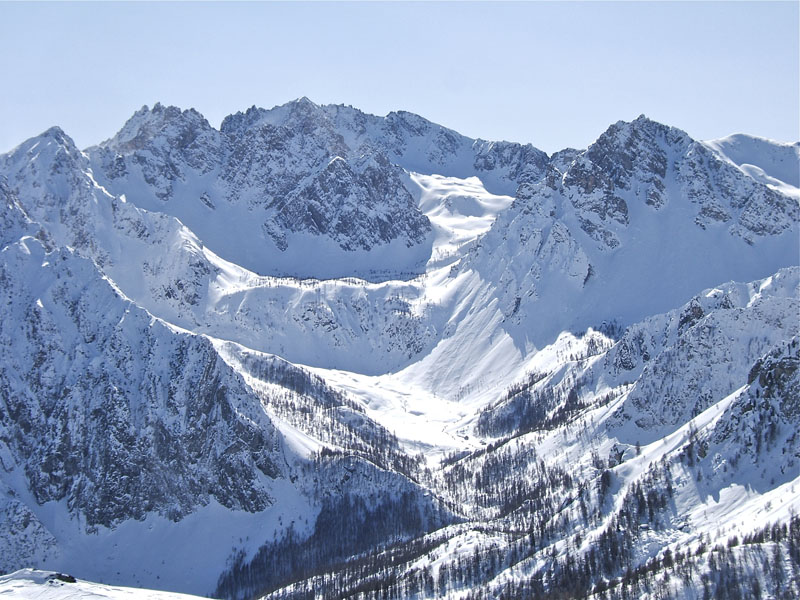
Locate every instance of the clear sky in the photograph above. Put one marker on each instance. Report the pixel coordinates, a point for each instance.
(555, 74)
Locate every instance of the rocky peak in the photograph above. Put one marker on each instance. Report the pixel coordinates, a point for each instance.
(57, 135)
(50, 165)
(241, 120)
(176, 127)
(301, 115)
(628, 162)
(50, 147)
(624, 152)
(632, 162)
(165, 143)
(285, 137)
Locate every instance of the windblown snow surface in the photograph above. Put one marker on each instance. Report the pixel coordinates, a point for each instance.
(47, 585)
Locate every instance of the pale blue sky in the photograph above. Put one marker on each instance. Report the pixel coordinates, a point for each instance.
(553, 74)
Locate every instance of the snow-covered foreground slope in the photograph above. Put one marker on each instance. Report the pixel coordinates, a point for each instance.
(365, 353)
(46, 585)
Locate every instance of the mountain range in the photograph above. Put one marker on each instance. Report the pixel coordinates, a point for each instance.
(321, 353)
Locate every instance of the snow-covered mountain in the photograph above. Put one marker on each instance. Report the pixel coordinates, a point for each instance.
(300, 180)
(317, 349)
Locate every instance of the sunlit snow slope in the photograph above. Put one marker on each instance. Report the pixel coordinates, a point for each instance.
(45, 585)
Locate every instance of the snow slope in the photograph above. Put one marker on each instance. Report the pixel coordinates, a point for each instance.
(30, 583)
(772, 163)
